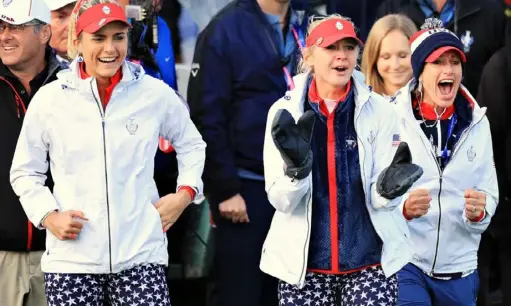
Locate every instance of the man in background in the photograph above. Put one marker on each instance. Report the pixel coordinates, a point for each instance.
(27, 63)
(60, 12)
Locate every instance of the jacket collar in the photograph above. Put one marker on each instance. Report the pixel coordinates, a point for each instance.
(413, 10)
(70, 77)
(253, 7)
(404, 101)
(299, 93)
(54, 66)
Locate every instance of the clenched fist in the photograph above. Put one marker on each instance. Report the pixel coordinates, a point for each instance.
(475, 204)
(234, 209)
(418, 203)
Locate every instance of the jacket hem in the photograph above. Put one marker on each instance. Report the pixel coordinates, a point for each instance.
(453, 268)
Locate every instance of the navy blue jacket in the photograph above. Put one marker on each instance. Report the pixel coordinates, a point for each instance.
(235, 77)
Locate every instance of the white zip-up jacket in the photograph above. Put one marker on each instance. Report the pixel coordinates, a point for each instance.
(444, 240)
(286, 248)
(102, 163)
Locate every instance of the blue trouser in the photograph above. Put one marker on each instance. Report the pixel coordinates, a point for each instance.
(418, 289)
(360, 288)
(142, 285)
(238, 279)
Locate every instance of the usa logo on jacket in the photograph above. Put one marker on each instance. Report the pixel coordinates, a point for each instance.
(396, 140)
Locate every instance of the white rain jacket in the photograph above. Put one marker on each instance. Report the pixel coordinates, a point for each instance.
(102, 163)
(286, 248)
(444, 240)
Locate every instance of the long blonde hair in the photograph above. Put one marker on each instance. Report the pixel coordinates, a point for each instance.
(313, 23)
(381, 28)
(80, 7)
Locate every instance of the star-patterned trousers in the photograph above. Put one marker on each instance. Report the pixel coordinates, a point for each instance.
(368, 287)
(144, 285)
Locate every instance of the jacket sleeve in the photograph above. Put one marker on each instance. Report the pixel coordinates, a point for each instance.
(30, 164)
(187, 142)
(283, 192)
(487, 184)
(383, 152)
(209, 97)
(165, 54)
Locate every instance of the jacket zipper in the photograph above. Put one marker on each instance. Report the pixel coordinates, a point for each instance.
(101, 112)
(306, 245)
(305, 248)
(440, 172)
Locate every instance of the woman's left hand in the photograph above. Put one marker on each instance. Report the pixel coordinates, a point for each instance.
(475, 203)
(171, 206)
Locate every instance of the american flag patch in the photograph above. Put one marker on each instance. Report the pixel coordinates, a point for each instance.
(396, 140)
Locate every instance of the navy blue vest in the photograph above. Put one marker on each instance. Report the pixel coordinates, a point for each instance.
(344, 217)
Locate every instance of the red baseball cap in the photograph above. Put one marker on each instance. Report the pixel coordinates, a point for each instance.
(438, 52)
(331, 31)
(97, 16)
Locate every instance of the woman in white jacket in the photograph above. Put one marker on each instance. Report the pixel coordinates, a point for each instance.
(333, 240)
(451, 205)
(97, 128)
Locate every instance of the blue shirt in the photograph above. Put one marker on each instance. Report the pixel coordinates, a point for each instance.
(287, 45)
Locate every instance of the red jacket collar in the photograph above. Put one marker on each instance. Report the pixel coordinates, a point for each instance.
(113, 81)
(315, 98)
(105, 93)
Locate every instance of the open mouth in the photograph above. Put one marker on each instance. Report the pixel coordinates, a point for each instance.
(107, 60)
(340, 68)
(446, 86)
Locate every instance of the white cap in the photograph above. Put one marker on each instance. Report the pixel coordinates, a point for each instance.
(57, 4)
(22, 11)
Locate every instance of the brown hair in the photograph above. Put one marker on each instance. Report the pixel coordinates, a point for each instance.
(381, 28)
(80, 7)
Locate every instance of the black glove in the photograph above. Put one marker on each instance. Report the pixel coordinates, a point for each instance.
(293, 140)
(396, 179)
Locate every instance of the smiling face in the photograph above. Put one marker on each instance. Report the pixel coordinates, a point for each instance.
(394, 64)
(20, 44)
(334, 64)
(104, 51)
(441, 79)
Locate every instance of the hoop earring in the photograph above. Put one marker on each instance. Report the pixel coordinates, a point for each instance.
(80, 58)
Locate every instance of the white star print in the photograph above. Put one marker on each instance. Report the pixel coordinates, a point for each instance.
(126, 288)
(354, 288)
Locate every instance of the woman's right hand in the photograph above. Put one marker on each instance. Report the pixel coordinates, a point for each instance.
(65, 225)
(293, 140)
(418, 203)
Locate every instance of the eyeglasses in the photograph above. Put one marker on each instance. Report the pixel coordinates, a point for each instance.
(18, 28)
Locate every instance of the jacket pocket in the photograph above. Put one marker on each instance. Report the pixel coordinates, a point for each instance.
(156, 218)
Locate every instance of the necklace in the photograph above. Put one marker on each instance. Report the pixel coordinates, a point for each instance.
(424, 119)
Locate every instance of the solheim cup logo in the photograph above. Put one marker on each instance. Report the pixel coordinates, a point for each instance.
(131, 126)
